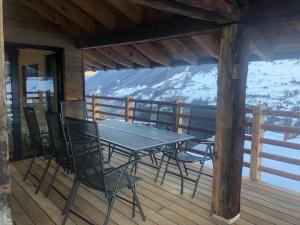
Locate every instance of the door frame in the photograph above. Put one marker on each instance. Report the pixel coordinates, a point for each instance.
(12, 50)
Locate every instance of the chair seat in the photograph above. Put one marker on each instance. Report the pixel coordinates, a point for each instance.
(95, 181)
(187, 157)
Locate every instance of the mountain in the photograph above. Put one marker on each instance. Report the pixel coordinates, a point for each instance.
(275, 84)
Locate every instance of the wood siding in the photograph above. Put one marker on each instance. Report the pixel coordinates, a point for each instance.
(23, 25)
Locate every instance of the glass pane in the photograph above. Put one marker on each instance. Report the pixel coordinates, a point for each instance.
(8, 82)
(38, 89)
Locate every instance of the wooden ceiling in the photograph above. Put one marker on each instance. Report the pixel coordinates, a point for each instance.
(116, 34)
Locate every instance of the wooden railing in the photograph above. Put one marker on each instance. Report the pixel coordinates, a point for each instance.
(100, 107)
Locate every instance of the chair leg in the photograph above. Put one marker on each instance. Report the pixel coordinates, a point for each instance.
(71, 193)
(29, 168)
(159, 168)
(181, 176)
(151, 157)
(114, 193)
(70, 202)
(111, 151)
(197, 180)
(43, 176)
(155, 159)
(52, 180)
(166, 169)
(185, 169)
(137, 202)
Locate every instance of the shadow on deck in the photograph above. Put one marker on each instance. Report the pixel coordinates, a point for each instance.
(260, 204)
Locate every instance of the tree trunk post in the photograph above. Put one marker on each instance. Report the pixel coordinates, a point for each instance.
(128, 109)
(5, 190)
(228, 163)
(96, 107)
(256, 145)
(177, 120)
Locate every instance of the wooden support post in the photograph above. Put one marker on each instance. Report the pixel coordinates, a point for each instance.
(128, 109)
(256, 145)
(177, 120)
(96, 108)
(228, 163)
(5, 199)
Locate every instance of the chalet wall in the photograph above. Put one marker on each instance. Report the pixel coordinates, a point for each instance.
(23, 25)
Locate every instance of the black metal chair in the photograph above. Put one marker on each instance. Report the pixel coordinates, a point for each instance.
(58, 143)
(142, 112)
(74, 108)
(89, 168)
(202, 124)
(38, 146)
(164, 117)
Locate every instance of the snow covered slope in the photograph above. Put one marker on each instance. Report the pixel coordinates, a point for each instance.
(276, 84)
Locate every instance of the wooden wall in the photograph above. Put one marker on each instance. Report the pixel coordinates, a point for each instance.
(23, 25)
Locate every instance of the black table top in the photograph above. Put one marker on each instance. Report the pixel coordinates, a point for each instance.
(137, 137)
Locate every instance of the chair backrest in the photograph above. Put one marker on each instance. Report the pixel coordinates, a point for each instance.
(75, 109)
(142, 112)
(164, 117)
(87, 158)
(202, 123)
(58, 140)
(34, 131)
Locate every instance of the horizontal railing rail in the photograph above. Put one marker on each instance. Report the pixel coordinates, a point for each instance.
(178, 112)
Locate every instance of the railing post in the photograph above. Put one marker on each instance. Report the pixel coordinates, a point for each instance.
(128, 107)
(256, 145)
(177, 120)
(96, 115)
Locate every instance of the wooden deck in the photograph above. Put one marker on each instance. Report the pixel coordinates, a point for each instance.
(261, 203)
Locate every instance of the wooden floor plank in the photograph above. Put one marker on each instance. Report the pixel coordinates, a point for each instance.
(20, 216)
(260, 204)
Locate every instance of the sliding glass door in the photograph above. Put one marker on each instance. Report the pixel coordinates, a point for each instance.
(34, 78)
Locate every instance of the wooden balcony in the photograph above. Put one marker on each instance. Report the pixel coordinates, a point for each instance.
(261, 204)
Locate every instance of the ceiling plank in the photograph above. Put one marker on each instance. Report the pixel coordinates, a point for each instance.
(218, 16)
(98, 12)
(46, 11)
(99, 57)
(215, 5)
(177, 27)
(74, 14)
(179, 48)
(133, 54)
(90, 60)
(132, 11)
(153, 53)
(259, 45)
(209, 43)
(115, 56)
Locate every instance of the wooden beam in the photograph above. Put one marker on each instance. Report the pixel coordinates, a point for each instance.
(132, 54)
(180, 8)
(87, 59)
(115, 56)
(179, 48)
(5, 191)
(209, 43)
(259, 45)
(55, 17)
(177, 27)
(73, 13)
(270, 11)
(99, 57)
(98, 12)
(230, 133)
(132, 11)
(153, 53)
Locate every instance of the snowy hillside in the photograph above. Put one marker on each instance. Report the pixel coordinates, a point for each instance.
(276, 84)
